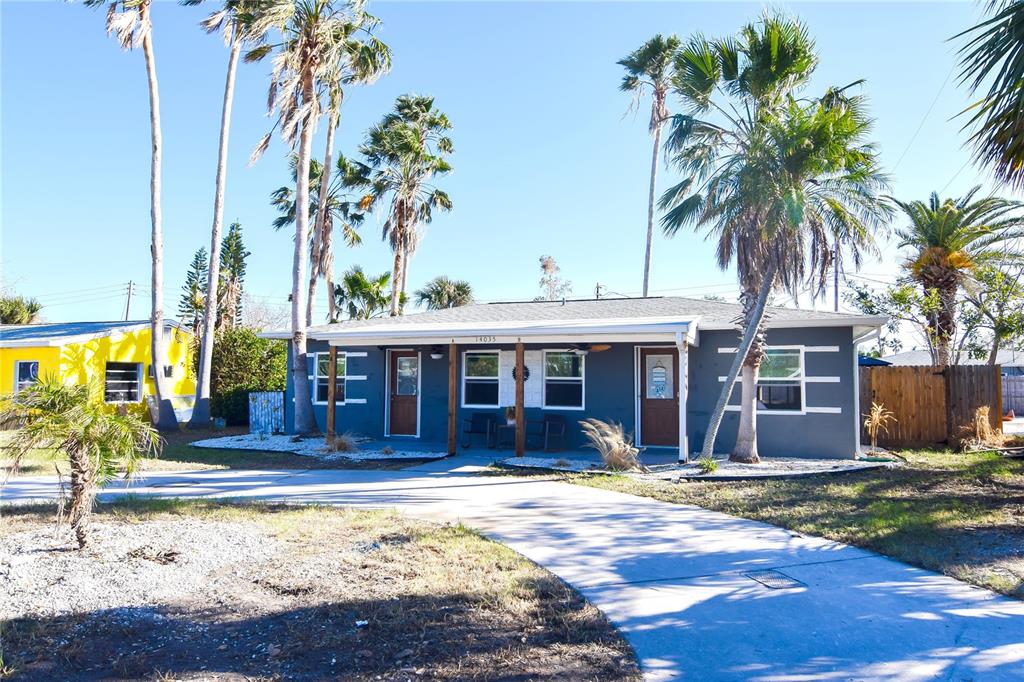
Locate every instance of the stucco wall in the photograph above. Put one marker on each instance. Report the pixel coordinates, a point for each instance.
(610, 394)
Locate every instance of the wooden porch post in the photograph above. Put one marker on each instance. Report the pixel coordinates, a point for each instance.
(332, 394)
(684, 444)
(452, 404)
(520, 409)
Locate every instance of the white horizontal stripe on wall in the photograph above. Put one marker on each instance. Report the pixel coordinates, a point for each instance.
(821, 349)
(824, 410)
(355, 401)
(809, 380)
(357, 354)
(806, 410)
(354, 377)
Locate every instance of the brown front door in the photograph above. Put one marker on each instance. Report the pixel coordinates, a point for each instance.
(405, 388)
(659, 396)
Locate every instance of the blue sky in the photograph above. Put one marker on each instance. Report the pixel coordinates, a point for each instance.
(545, 161)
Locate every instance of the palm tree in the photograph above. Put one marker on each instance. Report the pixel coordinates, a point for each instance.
(339, 210)
(404, 152)
(314, 41)
(771, 177)
(442, 292)
(240, 22)
(366, 60)
(19, 310)
(361, 297)
(949, 239)
(97, 442)
(129, 21)
(993, 56)
(650, 68)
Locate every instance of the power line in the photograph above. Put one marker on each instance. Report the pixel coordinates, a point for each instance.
(924, 118)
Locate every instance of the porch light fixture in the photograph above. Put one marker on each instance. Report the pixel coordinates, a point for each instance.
(436, 353)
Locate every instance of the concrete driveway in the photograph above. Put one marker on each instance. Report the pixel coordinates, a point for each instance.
(700, 595)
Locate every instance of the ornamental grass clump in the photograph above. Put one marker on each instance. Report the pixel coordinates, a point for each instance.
(878, 419)
(978, 434)
(613, 443)
(72, 422)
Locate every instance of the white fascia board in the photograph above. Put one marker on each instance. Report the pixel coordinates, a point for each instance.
(855, 321)
(539, 331)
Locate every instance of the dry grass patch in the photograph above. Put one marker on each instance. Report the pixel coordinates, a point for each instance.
(961, 514)
(326, 593)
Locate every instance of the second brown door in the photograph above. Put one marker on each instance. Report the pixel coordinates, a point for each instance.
(659, 396)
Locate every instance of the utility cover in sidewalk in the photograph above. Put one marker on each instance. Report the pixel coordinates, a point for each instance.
(774, 580)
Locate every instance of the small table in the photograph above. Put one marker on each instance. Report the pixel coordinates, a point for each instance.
(504, 434)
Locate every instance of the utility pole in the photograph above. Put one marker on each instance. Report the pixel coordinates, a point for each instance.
(597, 290)
(128, 301)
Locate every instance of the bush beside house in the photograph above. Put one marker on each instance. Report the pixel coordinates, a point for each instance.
(243, 362)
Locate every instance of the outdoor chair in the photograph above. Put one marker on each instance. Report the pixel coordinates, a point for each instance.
(478, 424)
(548, 432)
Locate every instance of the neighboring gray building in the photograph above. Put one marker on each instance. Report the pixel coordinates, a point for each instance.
(654, 364)
(1011, 361)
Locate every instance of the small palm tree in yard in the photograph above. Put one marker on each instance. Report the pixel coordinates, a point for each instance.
(97, 442)
(441, 292)
(948, 240)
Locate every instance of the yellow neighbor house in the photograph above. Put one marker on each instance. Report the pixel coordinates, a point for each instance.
(114, 354)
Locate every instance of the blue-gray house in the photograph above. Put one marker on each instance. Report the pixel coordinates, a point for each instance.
(654, 364)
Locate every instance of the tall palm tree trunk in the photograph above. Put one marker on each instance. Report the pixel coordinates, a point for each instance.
(745, 449)
(314, 275)
(304, 420)
(655, 155)
(166, 420)
(945, 324)
(396, 275)
(752, 322)
(321, 221)
(201, 408)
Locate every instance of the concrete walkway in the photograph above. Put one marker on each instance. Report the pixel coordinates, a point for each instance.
(680, 582)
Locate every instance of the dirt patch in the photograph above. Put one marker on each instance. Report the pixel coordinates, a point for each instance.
(204, 591)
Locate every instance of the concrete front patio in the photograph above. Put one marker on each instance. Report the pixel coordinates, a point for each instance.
(700, 595)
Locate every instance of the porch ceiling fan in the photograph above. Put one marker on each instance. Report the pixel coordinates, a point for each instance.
(592, 347)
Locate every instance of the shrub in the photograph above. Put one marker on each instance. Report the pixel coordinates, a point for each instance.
(243, 362)
(613, 443)
(707, 465)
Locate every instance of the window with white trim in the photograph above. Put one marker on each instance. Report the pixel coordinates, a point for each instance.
(26, 373)
(480, 379)
(563, 380)
(122, 382)
(780, 383)
(323, 379)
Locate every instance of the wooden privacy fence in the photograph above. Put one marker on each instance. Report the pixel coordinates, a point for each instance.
(930, 404)
(1013, 393)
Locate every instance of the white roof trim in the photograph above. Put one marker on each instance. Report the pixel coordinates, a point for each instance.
(57, 341)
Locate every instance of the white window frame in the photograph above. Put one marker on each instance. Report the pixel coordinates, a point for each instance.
(341, 377)
(582, 380)
(801, 380)
(496, 377)
(17, 372)
(139, 380)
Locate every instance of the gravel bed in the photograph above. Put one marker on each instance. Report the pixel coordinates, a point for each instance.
(309, 447)
(769, 467)
(43, 574)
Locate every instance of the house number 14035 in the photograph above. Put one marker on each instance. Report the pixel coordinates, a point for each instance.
(486, 339)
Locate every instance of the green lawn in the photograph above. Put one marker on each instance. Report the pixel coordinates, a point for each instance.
(959, 514)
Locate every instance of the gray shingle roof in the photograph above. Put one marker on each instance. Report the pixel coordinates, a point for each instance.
(58, 330)
(713, 314)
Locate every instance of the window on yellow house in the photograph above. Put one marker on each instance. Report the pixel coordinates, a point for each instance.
(26, 373)
(121, 383)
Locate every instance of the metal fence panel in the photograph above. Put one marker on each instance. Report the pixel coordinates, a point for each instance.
(266, 412)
